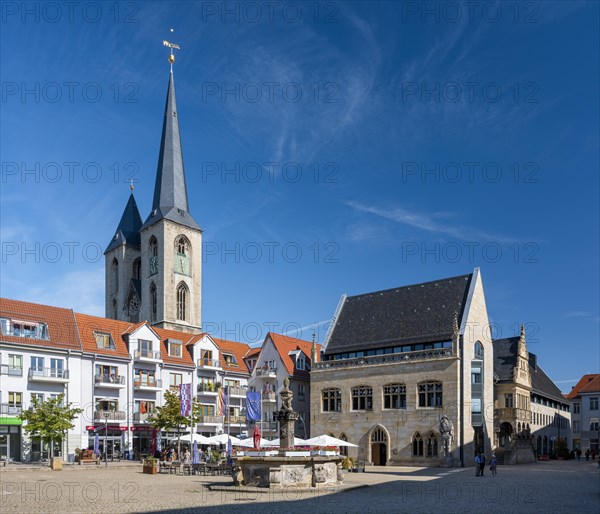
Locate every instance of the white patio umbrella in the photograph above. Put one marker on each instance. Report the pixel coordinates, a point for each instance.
(222, 439)
(327, 440)
(297, 442)
(200, 439)
(249, 442)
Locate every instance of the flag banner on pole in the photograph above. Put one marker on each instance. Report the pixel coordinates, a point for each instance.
(253, 406)
(185, 399)
(223, 401)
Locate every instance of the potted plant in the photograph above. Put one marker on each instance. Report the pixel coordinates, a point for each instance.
(150, 466)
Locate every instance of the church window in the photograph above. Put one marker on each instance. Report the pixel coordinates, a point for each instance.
(115, 270)
(182, 293)
(394, 396)
(182, 255)
(332, 400)
(137, 268)
(153, 260)
(417, 445)
(133, 307)
(430, 394)
(114, 309)
(362, 398)
(153, 302)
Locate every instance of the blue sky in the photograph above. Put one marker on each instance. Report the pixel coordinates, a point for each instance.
(344, 149)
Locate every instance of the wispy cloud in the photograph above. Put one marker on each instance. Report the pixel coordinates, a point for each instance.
(582, 315)
(429, 222)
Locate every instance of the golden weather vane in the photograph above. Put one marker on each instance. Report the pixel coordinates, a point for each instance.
(171, 46)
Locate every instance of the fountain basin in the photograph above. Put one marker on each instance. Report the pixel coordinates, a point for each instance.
(291, 471)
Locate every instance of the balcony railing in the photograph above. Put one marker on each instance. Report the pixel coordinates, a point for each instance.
(5, 369)
(147, 354)
(141, 384)
(207, 388)
(6, 409)
(266, 372)
(110, 415)
(269, 396)
(237, 391)
(235, 420)
(48, 373)
(211, 420)
(512, 413)
(211, 363)
(385, 359)
(116, 380)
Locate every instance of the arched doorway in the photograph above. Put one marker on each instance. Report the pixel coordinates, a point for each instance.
(506, 432)
(379, 444)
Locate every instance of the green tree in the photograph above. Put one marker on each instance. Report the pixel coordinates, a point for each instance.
(50, 420)
(169, 418)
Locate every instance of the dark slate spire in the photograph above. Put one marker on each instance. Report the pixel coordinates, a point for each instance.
(170, 192)
(128, 231)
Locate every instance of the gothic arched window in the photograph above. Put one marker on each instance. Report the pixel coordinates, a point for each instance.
(182, 255)
(153, 302)
(133, 307)
(137, 268)
(115, 270)
(114, 309)
(182, 300)
(153, 255)
(417, 445)
(478, 350)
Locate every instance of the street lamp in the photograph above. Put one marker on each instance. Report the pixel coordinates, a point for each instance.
(105, 415)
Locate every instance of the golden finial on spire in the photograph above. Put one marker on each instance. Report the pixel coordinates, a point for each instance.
(172, 46)
(131, 185)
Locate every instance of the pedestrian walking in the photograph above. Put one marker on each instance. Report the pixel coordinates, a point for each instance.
(477, 465)
(482, 463)
(587, 455)
(578, 453)
(493, 464)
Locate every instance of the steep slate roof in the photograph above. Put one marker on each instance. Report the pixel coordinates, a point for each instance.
(89, 324)
(285, 345)
(587, 384)
(62, 329)
(128, 230)
(186, 355)
(170, 193)
(238, 350)
(411, 314)
(505, 356)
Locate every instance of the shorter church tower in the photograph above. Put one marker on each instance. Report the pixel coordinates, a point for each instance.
(123, 266)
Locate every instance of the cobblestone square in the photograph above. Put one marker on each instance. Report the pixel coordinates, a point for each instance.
(555, 486)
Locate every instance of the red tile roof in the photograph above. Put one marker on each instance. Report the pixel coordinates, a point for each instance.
(62, 329)
(89, 324)
(238, 350)
(286, 344)
(186, 355)
(587, 384)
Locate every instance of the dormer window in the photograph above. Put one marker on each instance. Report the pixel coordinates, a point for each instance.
(301, 362)
(104, 340)
(20, 328)
(174, 348)
(230, 359)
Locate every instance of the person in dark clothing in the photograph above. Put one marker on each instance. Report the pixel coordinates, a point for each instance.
(481, 464)
(578, 454)
(587, 455)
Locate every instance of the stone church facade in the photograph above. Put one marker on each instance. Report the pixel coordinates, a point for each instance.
(396, 361)
(153, 269)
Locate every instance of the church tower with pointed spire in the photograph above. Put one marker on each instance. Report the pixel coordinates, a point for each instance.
(153, 270)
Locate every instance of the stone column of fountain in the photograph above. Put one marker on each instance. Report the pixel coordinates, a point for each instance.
(287, 417)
